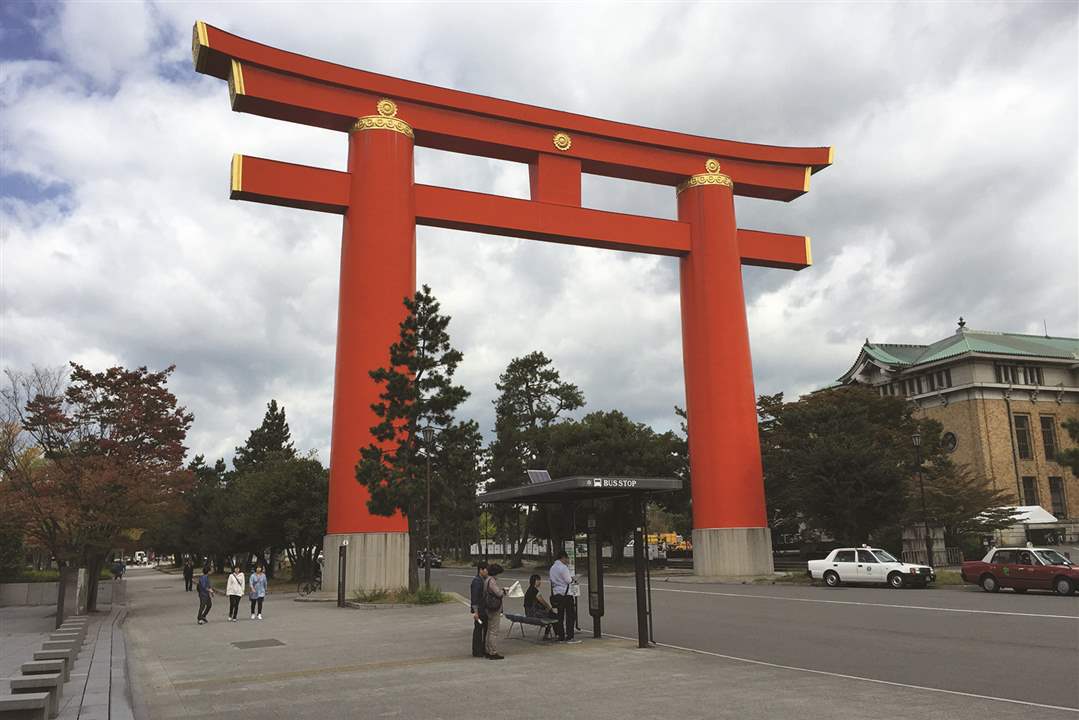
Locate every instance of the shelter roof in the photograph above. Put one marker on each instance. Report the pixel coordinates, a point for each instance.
(579, 487)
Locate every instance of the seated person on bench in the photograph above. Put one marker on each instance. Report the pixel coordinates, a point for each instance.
(536, 606)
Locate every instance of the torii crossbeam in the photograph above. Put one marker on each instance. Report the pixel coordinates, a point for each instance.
(384, 118)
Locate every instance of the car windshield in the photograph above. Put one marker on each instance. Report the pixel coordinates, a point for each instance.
(1052, 557)
(885, 556)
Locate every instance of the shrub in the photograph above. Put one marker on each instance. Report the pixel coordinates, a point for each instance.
(424, 596)
(430, 596)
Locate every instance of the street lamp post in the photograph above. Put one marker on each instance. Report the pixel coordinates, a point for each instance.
(428, 438)
(916, 438)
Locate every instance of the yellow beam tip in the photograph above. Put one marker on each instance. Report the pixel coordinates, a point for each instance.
(237, 173)
(809, 252)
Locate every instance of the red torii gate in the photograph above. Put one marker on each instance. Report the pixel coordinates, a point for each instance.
(382, 205)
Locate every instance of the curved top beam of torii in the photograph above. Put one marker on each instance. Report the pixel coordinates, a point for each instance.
(275, 83)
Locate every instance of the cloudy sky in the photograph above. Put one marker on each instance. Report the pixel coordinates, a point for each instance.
(953, 191)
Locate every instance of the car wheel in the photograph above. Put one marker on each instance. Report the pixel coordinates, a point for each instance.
(1063, 586)
(1019, 590)
(831, 579)
(896, 580)
(989, 584)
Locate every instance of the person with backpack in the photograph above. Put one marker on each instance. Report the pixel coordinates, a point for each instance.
(206, 594)
(235, 591)
(492, 601)
(479, 611)
(563, 602)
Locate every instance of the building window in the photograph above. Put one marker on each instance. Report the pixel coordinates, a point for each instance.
(1019, 375)
(940, 379)
(918, 384)
(1056, 497)
(1022, 436)
(931, 378)
(949, 442)
(1030, 491)
(1049, 436)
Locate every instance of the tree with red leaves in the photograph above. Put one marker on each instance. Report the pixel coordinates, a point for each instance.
(110, 450)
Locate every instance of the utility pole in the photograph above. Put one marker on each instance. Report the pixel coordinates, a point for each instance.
(917, 440)
(428, 438)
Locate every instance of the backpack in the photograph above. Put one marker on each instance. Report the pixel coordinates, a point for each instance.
(490, 600)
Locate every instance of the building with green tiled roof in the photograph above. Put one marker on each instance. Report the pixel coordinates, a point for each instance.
(1002, 398)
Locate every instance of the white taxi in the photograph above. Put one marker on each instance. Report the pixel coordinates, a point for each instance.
(868, 565)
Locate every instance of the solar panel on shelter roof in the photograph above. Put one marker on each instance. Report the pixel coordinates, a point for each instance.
(535, 476)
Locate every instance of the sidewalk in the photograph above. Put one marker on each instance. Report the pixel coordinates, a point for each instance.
(314, 660)
(97, 686)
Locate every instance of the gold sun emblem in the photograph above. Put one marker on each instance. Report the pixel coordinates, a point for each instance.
(562, 141)
(387, 108)
(711, 165)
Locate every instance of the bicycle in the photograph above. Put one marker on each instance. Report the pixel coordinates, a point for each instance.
(306, 587)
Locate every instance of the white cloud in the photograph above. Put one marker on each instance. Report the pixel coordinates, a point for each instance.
(953, 192)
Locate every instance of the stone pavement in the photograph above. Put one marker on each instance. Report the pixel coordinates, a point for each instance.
(313, 660)
(97, 687)
(22, 630)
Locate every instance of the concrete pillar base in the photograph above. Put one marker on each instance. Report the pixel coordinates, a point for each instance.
(373, 560)
(732, 552)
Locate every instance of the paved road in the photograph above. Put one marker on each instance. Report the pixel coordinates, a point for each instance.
(1006, 646)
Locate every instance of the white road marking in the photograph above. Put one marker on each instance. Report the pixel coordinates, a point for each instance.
(857, 677)
(852, 602)
(840, 602)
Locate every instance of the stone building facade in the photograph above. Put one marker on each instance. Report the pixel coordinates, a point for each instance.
(1002, 399)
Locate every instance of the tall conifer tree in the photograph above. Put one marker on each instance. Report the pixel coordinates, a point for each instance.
(417, 392)
(271, 438)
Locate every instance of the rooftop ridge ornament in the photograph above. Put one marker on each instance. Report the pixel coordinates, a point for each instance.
(385, 120)
(711, 176)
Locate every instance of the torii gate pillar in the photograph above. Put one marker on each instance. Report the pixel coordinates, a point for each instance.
(378, 269)
(730, 528)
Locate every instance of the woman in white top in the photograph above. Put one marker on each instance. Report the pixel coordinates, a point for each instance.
(235, 591)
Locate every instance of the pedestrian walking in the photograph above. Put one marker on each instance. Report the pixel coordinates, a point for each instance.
(561, 580)
(235, 590)
(206, 595)
(189, 574)
(258, 591)
(479, 611)
(492, 600)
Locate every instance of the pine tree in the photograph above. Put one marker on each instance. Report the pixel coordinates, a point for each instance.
(270, 439)
(532, 397)
(417, 392)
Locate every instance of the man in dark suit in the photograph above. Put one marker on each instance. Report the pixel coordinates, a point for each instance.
(479, 611)
(189, 575)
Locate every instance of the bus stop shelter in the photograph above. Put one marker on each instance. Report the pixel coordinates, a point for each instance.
(581, 490)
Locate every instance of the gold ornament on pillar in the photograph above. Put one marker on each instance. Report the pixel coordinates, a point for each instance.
(385, 120)
(711, 176)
